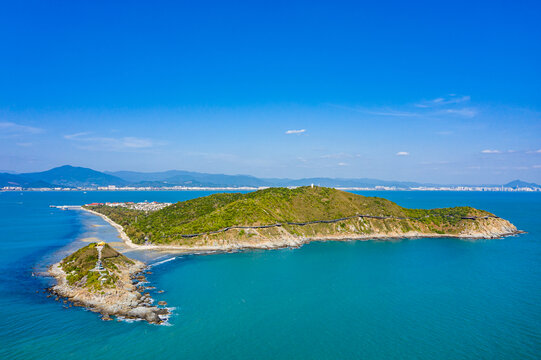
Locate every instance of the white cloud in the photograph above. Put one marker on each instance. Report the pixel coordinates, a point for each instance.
(441, 101)
(340, 156)
(84, 141)
(76, 135)
(342, 164)
(382, 112)
(402, 153)
(9, 129)
(135, 143)
(536, 166)
(452, 105)
(392, 113)
(289, 132)
(489, 151)
(466, 112)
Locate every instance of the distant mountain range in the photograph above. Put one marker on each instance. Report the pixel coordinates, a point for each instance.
(7, 179)
(73, 177)
(188, 178)
(521, 184)
(63, 176)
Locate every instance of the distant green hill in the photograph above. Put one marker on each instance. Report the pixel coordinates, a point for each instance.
(10, 180)
(291, 208)
(188, 178)
(521, 184)
(73, 176)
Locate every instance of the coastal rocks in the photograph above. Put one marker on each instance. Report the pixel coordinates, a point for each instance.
(145, 313)
(118, 298)
(322, 213)
(490, 228)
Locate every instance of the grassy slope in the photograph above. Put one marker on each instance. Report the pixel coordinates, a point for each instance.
(78, 265)
(269, 206)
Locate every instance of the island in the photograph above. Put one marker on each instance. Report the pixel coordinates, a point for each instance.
(102, 279)
(278, 217)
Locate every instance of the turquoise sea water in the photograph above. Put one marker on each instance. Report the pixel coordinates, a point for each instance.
(409, 299)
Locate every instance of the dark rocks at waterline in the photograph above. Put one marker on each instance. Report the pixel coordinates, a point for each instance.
(135, 305)
(148, 314)
(153, 318)
(162, 312)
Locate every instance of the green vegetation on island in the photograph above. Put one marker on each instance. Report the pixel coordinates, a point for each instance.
(80, 267)
(102, 280)
(176, 223)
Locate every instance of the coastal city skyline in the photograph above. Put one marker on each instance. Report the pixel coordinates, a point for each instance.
(72, 178)
(294, 90)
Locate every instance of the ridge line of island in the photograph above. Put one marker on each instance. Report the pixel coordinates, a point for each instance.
(84, 207)
(227, 222)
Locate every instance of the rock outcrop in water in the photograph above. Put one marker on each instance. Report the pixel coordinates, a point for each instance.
(105, 281)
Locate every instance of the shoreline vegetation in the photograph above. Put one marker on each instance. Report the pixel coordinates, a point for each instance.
(102, 280)
(266, 219)
(280, 217)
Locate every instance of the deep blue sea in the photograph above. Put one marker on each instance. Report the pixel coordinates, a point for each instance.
(408, 299)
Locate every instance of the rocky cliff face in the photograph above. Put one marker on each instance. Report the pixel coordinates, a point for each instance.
(359, 228)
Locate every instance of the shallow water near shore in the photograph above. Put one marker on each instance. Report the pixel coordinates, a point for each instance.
(403, 299)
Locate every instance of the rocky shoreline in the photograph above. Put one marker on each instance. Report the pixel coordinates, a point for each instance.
(127, 299)
(485, 228)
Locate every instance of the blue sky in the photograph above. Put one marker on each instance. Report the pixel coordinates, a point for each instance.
(422, 91)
